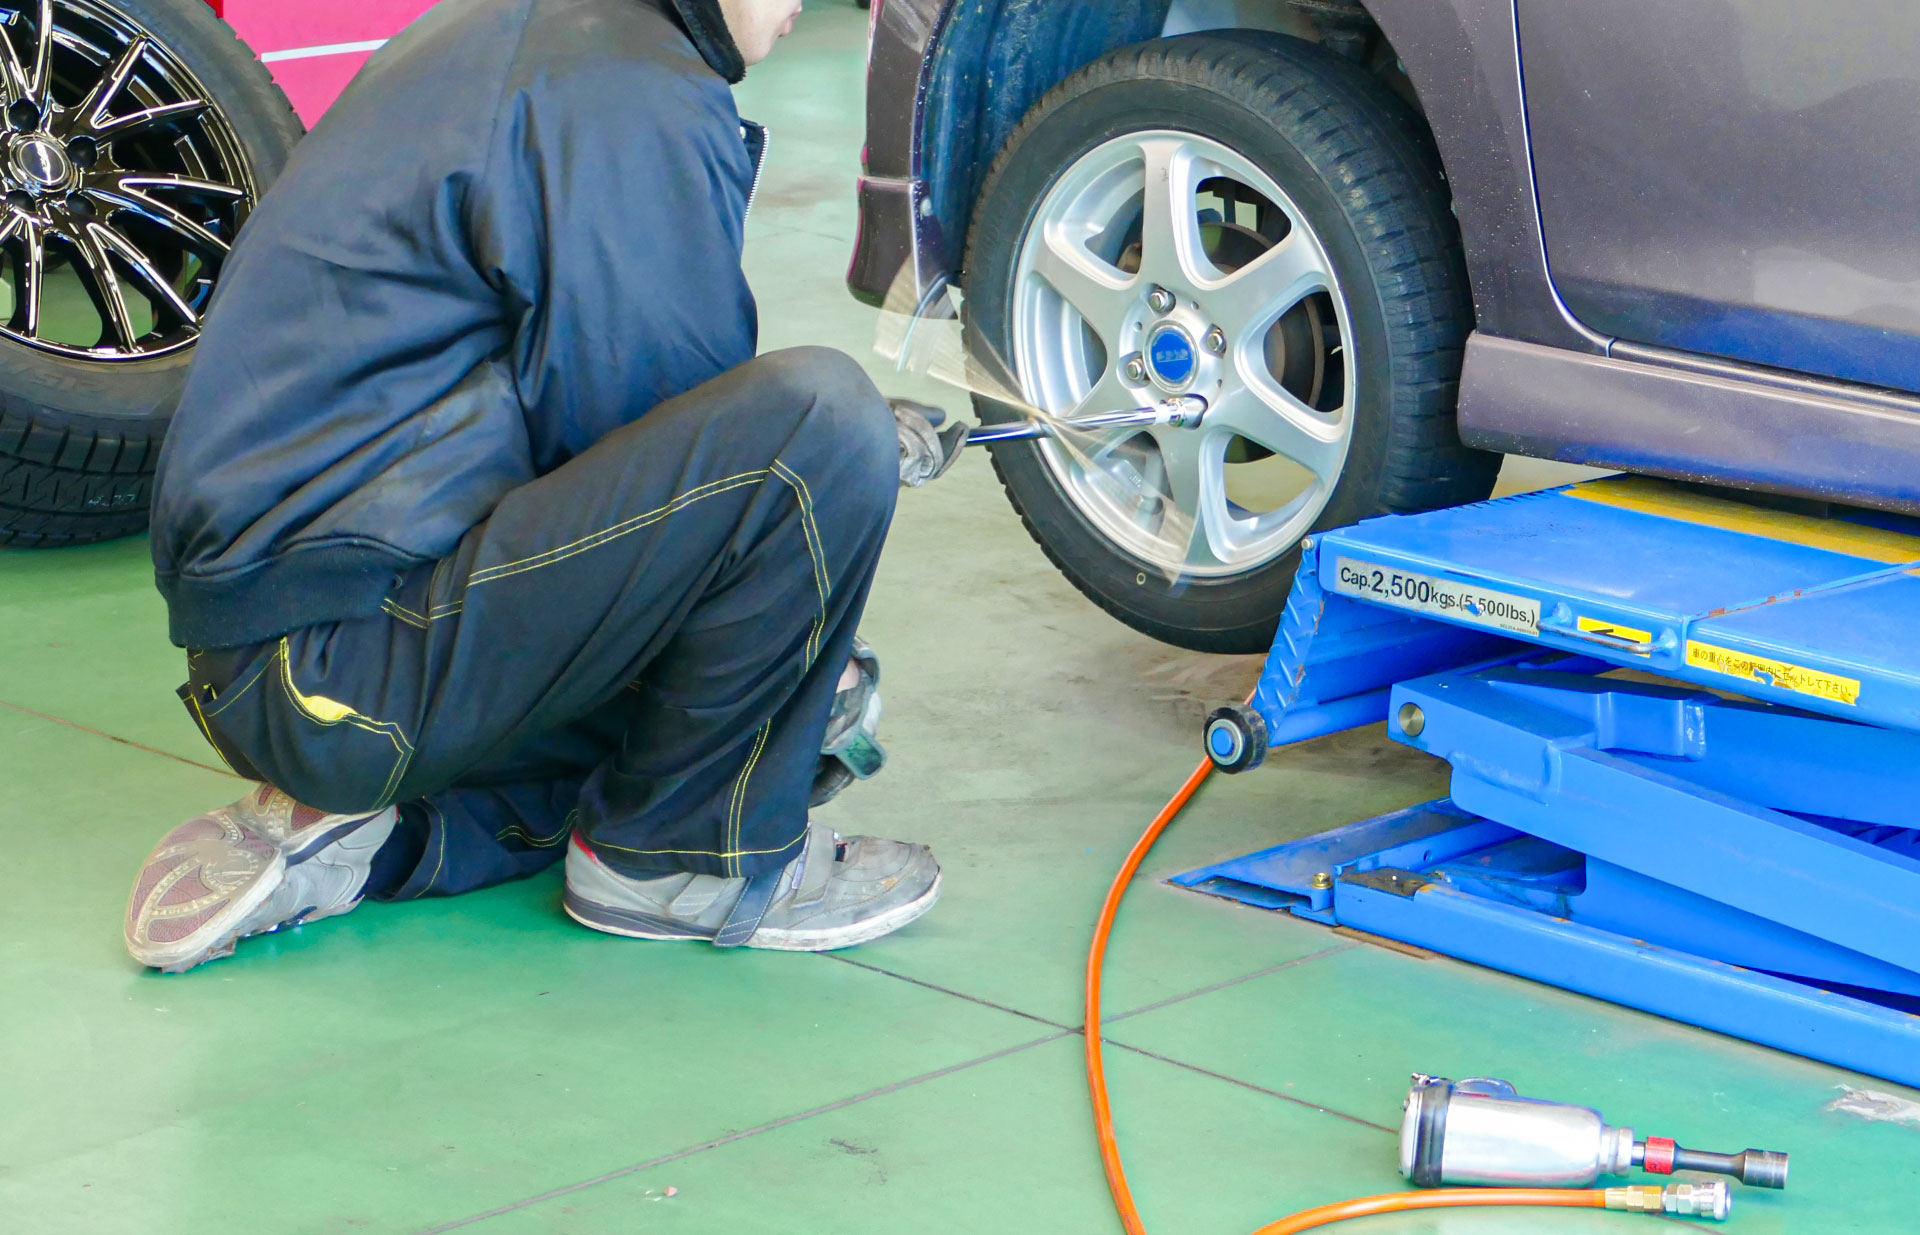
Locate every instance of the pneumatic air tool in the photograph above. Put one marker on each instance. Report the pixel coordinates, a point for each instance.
(1480, 1131)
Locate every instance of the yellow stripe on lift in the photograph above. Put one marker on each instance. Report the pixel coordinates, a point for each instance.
(1776, 673)
(1666, 500)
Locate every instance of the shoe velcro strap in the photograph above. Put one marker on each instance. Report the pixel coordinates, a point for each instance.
(749, 909)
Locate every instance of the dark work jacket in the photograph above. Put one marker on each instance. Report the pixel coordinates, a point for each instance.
(519, 229)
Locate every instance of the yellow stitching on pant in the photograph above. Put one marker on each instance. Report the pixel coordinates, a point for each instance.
(538, 842)
(736, 809)
(494, 572)
(596, 539)
(258, 673)
(388, 729)
(403, 614)
(806, 505)
(200, 718)
(431, 879)
(421, 620)
(815, 551)
(566, 829)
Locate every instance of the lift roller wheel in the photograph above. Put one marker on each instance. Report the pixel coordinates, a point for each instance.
(1236, 738)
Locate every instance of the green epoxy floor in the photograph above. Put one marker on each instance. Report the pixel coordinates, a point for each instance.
(482, 1062)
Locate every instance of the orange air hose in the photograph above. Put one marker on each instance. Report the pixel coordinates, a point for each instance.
(1441, 1198)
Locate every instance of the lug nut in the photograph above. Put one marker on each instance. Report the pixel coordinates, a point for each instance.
(1136, 369)
(1216, 340)
(1160, 300)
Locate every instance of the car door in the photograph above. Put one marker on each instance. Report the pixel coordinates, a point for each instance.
(1733, 177)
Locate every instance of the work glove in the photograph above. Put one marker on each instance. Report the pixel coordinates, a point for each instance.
(926, 450)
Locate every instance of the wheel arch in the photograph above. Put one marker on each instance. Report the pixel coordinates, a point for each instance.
(995, 59)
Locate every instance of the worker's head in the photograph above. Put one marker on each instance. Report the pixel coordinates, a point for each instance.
(756, 25)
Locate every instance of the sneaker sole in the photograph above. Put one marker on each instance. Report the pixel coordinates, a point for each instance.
(220, 933)
(628, 923)
(633, 925)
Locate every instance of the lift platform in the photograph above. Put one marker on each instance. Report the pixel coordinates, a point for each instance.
(1684, 734)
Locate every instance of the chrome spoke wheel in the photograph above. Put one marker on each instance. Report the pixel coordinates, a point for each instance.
(1163, 263)
(122, 186)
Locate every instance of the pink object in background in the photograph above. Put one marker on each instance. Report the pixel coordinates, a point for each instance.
(314, 47)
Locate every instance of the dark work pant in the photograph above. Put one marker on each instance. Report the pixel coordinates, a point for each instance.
(642, 645)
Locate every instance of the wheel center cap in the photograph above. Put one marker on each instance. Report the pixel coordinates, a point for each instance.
(41, 163)
(1172, 358)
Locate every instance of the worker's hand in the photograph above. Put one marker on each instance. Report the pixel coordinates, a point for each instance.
(926, 451)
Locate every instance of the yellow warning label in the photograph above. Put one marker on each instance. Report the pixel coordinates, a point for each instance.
(1613, 630)
(1776, 673)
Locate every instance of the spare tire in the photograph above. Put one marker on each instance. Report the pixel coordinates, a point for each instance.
(140, 135)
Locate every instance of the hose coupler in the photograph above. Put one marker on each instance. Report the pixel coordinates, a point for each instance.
(1708, 1200)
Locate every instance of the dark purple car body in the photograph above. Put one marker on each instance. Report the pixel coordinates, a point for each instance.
(1689, 227)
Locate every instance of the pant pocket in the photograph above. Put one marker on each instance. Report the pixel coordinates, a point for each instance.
(322, 751)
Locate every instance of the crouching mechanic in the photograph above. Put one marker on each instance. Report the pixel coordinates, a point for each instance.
(488, 536)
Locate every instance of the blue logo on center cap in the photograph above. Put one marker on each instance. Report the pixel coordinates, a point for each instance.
(1171, 357)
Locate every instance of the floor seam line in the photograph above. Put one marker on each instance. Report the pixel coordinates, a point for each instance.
(1260, 1089)
(1221, 986)
(99, 733)
(734, 1137)
(945, 990)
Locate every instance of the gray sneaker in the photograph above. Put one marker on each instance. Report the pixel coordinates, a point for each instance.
(836, 894)
(260, 864)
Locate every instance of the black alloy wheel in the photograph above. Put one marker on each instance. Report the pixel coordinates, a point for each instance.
(135, 138)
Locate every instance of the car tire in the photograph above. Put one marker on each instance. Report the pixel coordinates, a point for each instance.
(80, 433)
(1358, 173)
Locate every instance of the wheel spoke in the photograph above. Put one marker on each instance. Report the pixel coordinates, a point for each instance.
(1098, 292)
(1196, 484)
(146, 273)
(1259, 293)
(140, 121)
(125, 193)
(93, 109)
(185, 184)
(27, 268)
(40, 79)
(30, 280)
(1268, 416)
(103, 285)
(1170, 248)
(12, 71)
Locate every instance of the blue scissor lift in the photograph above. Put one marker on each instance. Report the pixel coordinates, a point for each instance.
(1684, 734)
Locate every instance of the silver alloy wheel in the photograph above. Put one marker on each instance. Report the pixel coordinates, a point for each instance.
(1128, 288)
(122, 185)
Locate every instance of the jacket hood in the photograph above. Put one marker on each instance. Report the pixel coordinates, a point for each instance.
(707, 26)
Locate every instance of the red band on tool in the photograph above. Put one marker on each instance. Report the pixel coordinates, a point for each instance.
(1659, 1156)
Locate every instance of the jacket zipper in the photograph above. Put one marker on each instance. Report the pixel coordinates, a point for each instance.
(759, 162)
